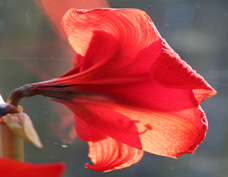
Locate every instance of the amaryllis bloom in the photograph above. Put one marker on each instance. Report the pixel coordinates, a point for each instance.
(10, 168)
(129, 91)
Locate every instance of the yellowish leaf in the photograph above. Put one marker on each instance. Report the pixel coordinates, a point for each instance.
(21, 125)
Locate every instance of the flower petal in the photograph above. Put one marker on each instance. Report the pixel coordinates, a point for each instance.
(104, 33)
(21, 125)
(84, 130)
(170, 71)
(169, 131)
(167, 134)
(163, 110)
(10, 168)
(100, 115)
(108, 56)
(166, 121)
(108, 154)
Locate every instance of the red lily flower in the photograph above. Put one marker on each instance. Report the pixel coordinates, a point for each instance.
(129, 91)
(10, 168)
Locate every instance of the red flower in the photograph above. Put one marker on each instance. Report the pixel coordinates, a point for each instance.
(129, 91)
(10, 168)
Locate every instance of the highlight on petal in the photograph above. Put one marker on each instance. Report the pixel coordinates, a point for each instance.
(21, 125)
(10, 168)
(107, 154)
(169, 134)
(104, 33)
(170, 71)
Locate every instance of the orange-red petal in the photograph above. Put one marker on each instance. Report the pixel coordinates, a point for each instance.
(101, 34)
(100, 114)
(105, 152)
(170, 71)
(168, 134)
(108, 154)
(10, 168)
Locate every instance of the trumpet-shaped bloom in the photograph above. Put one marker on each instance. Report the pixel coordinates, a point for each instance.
(10, 168)
(129, 91)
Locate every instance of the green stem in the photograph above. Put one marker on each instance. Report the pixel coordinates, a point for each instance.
(19, 93)
(11, 144)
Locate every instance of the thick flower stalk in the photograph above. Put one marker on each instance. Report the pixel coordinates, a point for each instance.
(129, 91)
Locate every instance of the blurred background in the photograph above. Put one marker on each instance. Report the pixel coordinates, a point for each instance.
(33, 48)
